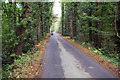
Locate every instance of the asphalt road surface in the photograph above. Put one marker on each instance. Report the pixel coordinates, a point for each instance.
(62, 60)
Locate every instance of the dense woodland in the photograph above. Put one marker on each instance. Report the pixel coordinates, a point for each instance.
(23, 26)
(96, 25)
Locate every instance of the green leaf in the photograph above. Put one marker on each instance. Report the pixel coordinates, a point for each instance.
(12, 55)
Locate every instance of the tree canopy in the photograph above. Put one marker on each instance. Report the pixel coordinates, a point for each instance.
(94, 24)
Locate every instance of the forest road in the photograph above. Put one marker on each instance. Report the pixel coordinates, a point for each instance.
(62, 60)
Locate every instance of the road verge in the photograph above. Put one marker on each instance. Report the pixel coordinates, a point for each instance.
(30, 65)
(107, 65)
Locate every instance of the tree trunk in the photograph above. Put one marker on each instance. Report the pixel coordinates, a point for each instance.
(10, 1)
(65, 26)
(68, 26)
(38, 36)
(96, 40)
(75, 14)
(72, 21)
(42, 30)
(117, 26)
(62, 18)
(118, 21)
(39, 21)
(21, 30)
(90, 25)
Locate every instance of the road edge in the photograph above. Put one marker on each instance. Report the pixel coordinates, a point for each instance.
(107, 65)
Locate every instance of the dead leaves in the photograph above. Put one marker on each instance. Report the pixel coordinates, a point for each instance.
(106, 64)
(34, 67)
(37, 66)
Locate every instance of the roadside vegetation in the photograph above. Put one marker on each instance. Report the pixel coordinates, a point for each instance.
(24, 25)
(94, 25)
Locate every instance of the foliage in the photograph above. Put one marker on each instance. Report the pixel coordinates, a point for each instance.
(20, 31)
(18, 68)
(93, 24)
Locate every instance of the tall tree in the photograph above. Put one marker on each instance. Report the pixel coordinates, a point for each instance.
(90, 24)
(39, 20)
(72, 20)
(117, 28)
(21, 30)
(62, 18)
(96, 39)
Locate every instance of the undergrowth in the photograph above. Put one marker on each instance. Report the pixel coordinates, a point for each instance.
(22, 64)
(112, 58)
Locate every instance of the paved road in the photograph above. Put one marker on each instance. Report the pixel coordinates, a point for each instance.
(62, 60)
